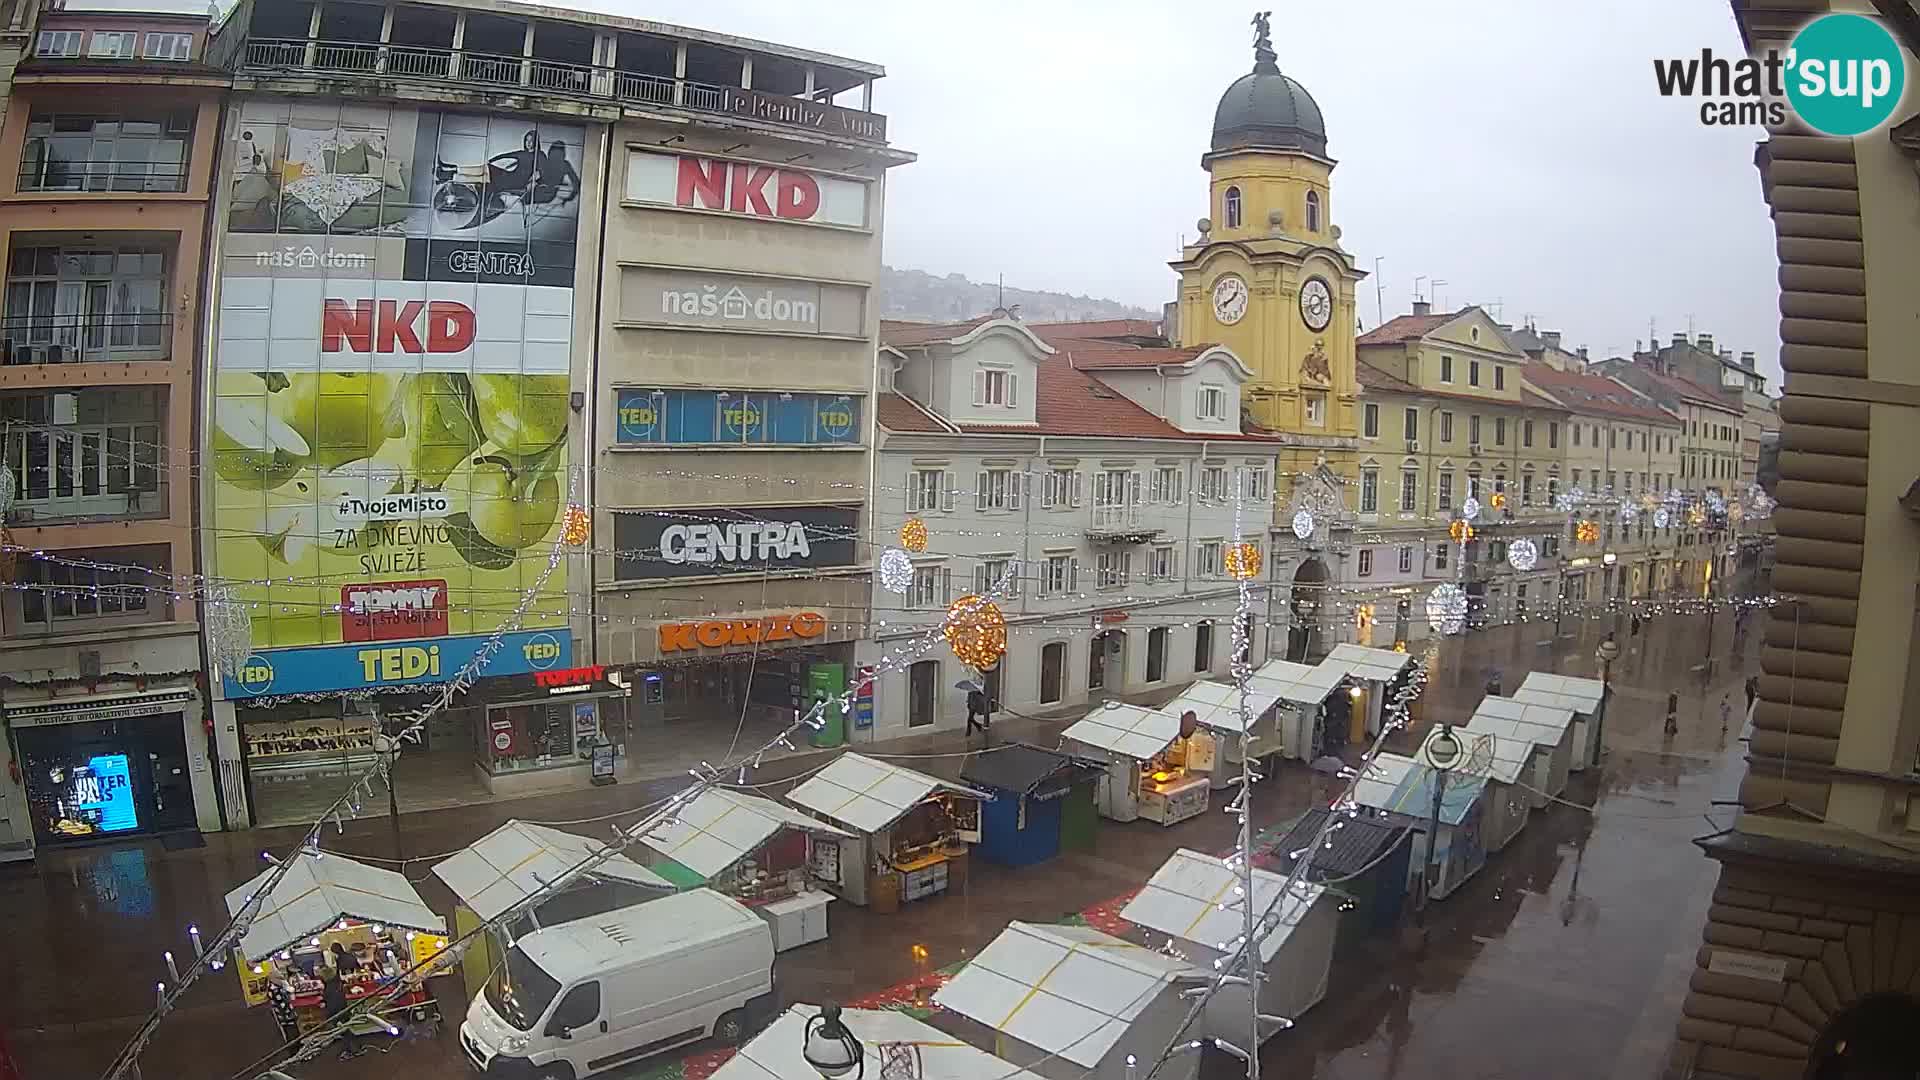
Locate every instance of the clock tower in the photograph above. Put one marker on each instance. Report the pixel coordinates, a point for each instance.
(1267, 277)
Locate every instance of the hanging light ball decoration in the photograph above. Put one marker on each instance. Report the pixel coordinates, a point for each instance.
(1303, 524)
(577, 526)
(1470, 509)
(896, 570)
(1498, 500)
(1523, 555)
(976, 632)
(1696, 516)
(1587, 532)
(1628, 514)
(1735, 511)
(229, 631)
(1715, 504)
(1662, 518)
(913, 535)
(1565, 502)
(1243, 561)
(1460, 531)
(1447, 608)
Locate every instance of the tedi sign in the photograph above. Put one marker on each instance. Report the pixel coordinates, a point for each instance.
(1842, 75)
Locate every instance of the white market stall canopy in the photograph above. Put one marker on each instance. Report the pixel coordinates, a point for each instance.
(519, 858)
(1544, 725)
(867, 795)
(1561, 691)
(1183, 900)
(1127, 730)
(1298, 684)
(321, 889)
(1067, 990)
(1362, 662)
(777, 1052)
(720, 828)
(1499, 751)
(1402, 785)
(1216, 705)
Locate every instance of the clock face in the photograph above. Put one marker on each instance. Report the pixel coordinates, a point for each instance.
(1316, 304)
(1229, 299)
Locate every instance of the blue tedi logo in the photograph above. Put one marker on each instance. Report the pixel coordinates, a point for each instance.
(256, 675)
(1843, 75)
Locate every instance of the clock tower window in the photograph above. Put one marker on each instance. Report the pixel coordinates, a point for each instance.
(1231, 211)
(1313, 211)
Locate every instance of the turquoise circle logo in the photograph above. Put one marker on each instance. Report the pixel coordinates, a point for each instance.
(256, 675)
(542, 651)
(1846, 74)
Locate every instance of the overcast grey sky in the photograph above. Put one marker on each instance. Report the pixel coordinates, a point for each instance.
(1517, 149)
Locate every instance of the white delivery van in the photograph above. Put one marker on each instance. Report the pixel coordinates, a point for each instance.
(577, 999)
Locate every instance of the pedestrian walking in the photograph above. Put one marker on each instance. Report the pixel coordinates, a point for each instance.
(1726, 712)
(1673, 713)
(1493, 685)
(1634, 626)
(979, 715)
(1753, 691)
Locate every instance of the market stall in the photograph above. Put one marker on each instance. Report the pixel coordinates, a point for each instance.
(888, 1040)
(1154, 769)
(1216, 708)
(760, 853)
(514, 861)
(1580, 696)
(1366, 857)
(1400, 791)
(1305, 694)
(1070, 1002)
(1548, 728)
(1195, 899)
(910, 830)
(1503, 758)
(372, 915)
(1042, 802)
(1377, 672)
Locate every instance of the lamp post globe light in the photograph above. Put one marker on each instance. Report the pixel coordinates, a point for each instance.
(830, 1048)
(1607, 653)
(1443, 753)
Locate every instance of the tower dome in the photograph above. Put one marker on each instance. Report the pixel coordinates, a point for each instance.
(1265, 109)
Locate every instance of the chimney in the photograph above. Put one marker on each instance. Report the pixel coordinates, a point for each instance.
(1704, 343)
(1583, 354)
(1746, 360)
(1422, 307)
(1679, 338)
(1170, 322)
(1551, 337)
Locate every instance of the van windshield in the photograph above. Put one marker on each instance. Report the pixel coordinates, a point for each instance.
(519, 991)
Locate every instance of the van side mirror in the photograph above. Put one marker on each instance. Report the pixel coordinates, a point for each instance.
(564, 1033)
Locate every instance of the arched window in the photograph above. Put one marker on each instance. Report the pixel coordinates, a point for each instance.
(1232, 212)
(1313, 211)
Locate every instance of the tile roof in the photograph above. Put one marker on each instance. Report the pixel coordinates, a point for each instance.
(903, 334)
(1585, 392)
(1405, 328)
(897, 412)
(1096, 329)
(1372, 378)
(1093, 355)
(1687, 388)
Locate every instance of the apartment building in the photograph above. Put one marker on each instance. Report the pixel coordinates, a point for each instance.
(110, 136)
(1093, 487)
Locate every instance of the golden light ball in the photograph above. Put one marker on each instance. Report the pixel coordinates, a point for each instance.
(1243, 561)
(1460, 531)
(976, 631)
(1499, 500)
(576, 527)
(913, 535)
(1587, 532)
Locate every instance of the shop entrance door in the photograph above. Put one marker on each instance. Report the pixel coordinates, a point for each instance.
(100, 780)
(923, 682)
(1053, 665)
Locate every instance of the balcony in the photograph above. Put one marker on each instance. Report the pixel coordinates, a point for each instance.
(77, 339)
(1120, 524)
(76, 471)
(123, 177)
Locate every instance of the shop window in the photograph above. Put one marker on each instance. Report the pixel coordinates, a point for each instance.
(538, 735)
(131, 151)
(1202, 647)
(72, 304)
(85, 453)
(1156, 654)
(102, 585)
(1053, 671)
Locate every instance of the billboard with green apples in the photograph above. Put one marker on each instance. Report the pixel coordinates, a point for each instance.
(391, 390)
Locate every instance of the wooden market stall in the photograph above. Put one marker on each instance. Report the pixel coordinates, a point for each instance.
(1216, 708)
(1042, 802)
(1305, 693)
(1194, 899)
(1070, 1002)
(1582, 697)
(889, 1040)
(373, 915)
(1154, 770)
(1400, 790)
(1367, 857)
(1548, 728)
(910, 831)
(1377, 672)
(1504, 760)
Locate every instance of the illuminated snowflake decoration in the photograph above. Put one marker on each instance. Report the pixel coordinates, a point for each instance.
(1716, 504)
(1564, 502)
(1675, 496)
(229, 631)
(896, 570)
(1755, 493)
(1662, 518)
(1447, 608)
(1303, 524)
(1470, 509)
(1523, 555)
(1628, 514)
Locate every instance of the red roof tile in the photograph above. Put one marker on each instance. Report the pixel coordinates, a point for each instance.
(1092, 356)
(1372, 378)
(904, 334)
(1405, 328)
(897, 413)
(1585, 392)
(1096, 329)
(1687, 388)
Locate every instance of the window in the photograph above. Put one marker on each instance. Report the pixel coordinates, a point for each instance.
(1169, 485)
(1406, 558)
(1473, 430)
(1446, 427)
(1366, 562)
(1473, 373)
(1609, 488)
(1060, 575)
(1313, 211)
(1409, 490)
(168, 47)
(1369, 491)
(72, 304)
(1116, 497)
(112, 44)
(1213, 403)
(1526, 433)
(1060, 488)
(1444, 493)
(1553, 435)
(995, 386)
(1203, 647)
(1112, 569)
(1207, 559)
(1499, 377)
(991, 570)
(1254, 486)
(61, 592)
(1499, 431)
(1213, 483)
(1576, 478)
(58, 43)
(580, 1008)
(929, 588)
(1160, 563)
(1526, 489)
(1232, 209)
(1316, 409)
(927, 491)
(1370, 420)
(1440, 556)
(997, 489)
(1613, 438)
(1576, 434)
(1446, 368)
(85, 453)
(1553, 488)
(1593, 435)
(1411, 422)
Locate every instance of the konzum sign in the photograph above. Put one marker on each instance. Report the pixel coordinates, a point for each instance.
(746, 188)
(720, 633)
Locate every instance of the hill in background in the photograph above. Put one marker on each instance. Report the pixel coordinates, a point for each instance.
(918, 295)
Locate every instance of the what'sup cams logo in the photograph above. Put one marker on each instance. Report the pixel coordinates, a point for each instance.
(1841, 75)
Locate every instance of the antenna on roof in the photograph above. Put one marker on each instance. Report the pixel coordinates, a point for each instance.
(1001, 303)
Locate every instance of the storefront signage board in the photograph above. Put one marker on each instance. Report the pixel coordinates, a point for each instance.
(720, 633)
(392, 372)
(745, 188)
(863, 700)
(749, 539)
(661, 296)
(735, 418)
(370, 666)
(41, 714)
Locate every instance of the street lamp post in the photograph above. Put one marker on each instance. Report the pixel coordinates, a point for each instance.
(1608, 652)
(830, 1048)
(1442, 753)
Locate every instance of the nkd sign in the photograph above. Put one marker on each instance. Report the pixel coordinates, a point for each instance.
(711, 540)
(746, 188)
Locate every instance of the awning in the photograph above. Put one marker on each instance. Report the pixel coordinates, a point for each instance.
(720, 828)
(517, 859)
(1362, 662)
(868, 795)
(1185, 898)
(1565, 691)
(1298, 684)
(1127, 730)
(1216, 705)
(1023, 770)
(319, 890)
(1543, 724)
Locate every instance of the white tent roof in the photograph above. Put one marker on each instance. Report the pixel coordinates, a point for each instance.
(1068, 990)
(1499, 751)
(1565, 691)
(1298, 683)
(1126, 729)
(1543, 724)
(1378, 665)
(1381, 778)
(1217, 705)
(517, 859)
(321, 889)
(868, 795)
(776, 1054)
(722, 827)
(1183, 900)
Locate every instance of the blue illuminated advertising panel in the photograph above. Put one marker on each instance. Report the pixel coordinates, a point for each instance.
(367, 665)
(735, 418)
(102, 792)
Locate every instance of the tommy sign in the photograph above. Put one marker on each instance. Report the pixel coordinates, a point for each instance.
(713, 541)
(746, 188)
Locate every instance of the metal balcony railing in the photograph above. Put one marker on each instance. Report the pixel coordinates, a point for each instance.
(1109, 518)
(83, 470)
(124, 175)
(74, 339)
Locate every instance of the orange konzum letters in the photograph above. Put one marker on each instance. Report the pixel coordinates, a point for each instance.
(720, 633)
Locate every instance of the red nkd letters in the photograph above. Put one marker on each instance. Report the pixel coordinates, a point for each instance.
(739, 188)
(367, 326)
